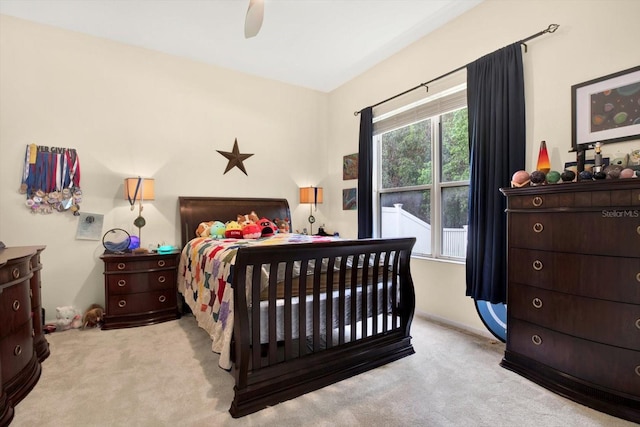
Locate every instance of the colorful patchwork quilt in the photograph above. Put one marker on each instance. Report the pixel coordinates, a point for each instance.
(205, 276)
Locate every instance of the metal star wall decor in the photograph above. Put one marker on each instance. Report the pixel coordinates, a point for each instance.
(235, 158)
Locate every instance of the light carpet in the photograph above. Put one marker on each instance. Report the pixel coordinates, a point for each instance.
(166, 375)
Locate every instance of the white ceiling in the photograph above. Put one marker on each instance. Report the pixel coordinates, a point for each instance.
(319, 44)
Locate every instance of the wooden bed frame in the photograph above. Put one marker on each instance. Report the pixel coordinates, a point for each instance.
(276, 371)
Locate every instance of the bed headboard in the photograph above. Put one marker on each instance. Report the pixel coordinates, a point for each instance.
(194, 210)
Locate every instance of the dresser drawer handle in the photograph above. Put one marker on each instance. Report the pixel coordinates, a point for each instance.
(638, 323)
(122, 303)
(638, 370)
(537, 302)
(537, 227)
(161, 263)
(536, 339)
(121, 265)
(16, 305)
(17, 351)
(162, 279)
(537, 265)
(162, 298)
(638, 229)
(15, 273)
(537, 201)
(122, 282)
(638, 277)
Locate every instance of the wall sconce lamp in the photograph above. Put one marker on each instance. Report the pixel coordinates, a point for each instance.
(313, 196)
(137, 190)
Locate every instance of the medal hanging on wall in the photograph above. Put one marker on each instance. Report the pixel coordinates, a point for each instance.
(51, 179)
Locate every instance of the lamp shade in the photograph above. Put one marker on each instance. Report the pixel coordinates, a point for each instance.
(311, 195)
(139, 188)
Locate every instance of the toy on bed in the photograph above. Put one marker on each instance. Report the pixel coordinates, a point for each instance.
(217, 230)
(282, 224)
(233, 230)
(267, 227)
(204, 228)
(251, 231)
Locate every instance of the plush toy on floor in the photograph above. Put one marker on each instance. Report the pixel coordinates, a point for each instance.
(67, 317)
(93, 316)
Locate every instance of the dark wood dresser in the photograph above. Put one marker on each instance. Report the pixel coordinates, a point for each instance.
(140, 289)
(573, 296)
(22, 343)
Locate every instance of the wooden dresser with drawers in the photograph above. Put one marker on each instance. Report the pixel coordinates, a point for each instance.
(140, 289)
(573, 296)
(22, 343)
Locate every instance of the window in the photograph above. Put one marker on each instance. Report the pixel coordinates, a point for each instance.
(422, 167)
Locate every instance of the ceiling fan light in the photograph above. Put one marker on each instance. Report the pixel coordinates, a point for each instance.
(253, 20)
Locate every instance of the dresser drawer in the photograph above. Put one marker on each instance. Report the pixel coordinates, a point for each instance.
(140, 263)
(610, 278)
(15, 307)
(141, 282)
(618, 233)
(612, 367)
(601, 199)
(141, 302)
(16, 350)
(597, 320)
(15, 271)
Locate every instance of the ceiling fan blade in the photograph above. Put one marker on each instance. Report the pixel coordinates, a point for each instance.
(253, 21)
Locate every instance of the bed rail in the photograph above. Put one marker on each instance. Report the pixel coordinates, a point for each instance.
(333, 329)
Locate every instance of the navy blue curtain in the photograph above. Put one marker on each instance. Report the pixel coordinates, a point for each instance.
(365, 175)
(496, 107)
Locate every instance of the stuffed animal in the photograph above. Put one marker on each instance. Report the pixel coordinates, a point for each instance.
(247, 219)
(267, 227)
(282, 224)
(251, 231)
(217, 229)
(203, 229)
(233, 230)
(93, 316)
(67, 317)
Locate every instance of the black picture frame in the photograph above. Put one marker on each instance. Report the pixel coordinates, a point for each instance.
(606, 109)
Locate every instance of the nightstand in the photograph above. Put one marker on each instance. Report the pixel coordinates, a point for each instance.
(140, 289)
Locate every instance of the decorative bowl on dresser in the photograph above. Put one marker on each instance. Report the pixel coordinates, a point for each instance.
(140, 289)
(22, 343)
(573, 293)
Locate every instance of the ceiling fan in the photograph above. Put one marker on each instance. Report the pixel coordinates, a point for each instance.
(253, 20)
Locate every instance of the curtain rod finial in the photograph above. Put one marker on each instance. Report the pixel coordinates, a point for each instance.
(355, 113)
(552, 28)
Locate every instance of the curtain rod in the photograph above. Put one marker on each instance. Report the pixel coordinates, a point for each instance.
(550, 29)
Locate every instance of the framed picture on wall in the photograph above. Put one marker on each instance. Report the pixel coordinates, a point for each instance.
(350, 166)
(606, 109)
(349, 199)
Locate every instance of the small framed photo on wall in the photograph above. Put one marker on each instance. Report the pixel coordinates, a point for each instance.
(349, 199)
(350, 167)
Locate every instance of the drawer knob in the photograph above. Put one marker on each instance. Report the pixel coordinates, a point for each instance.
(537, 302)
(537, 201)
(161, 263)
(537, 265)
(638, 370)
(638, 229)
(121, 265)
(162, 279)
(162, 298)
(17, 351)
(537, 227)
(15, 273)
(536, 339)
(638, 323)
(122, 303)
(122, 282)
(16, 305)
(638, 277)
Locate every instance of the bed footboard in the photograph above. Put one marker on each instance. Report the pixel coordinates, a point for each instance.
(353, 311)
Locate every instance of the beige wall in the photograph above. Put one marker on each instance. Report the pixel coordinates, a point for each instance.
(130, 111)
(595, 38)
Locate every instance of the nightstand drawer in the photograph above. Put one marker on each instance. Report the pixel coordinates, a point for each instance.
(142, 302)
(15, 307)
(14, 272)
(141, 282)
(142, 263)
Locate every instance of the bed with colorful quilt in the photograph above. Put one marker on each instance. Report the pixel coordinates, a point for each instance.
(292, 313)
